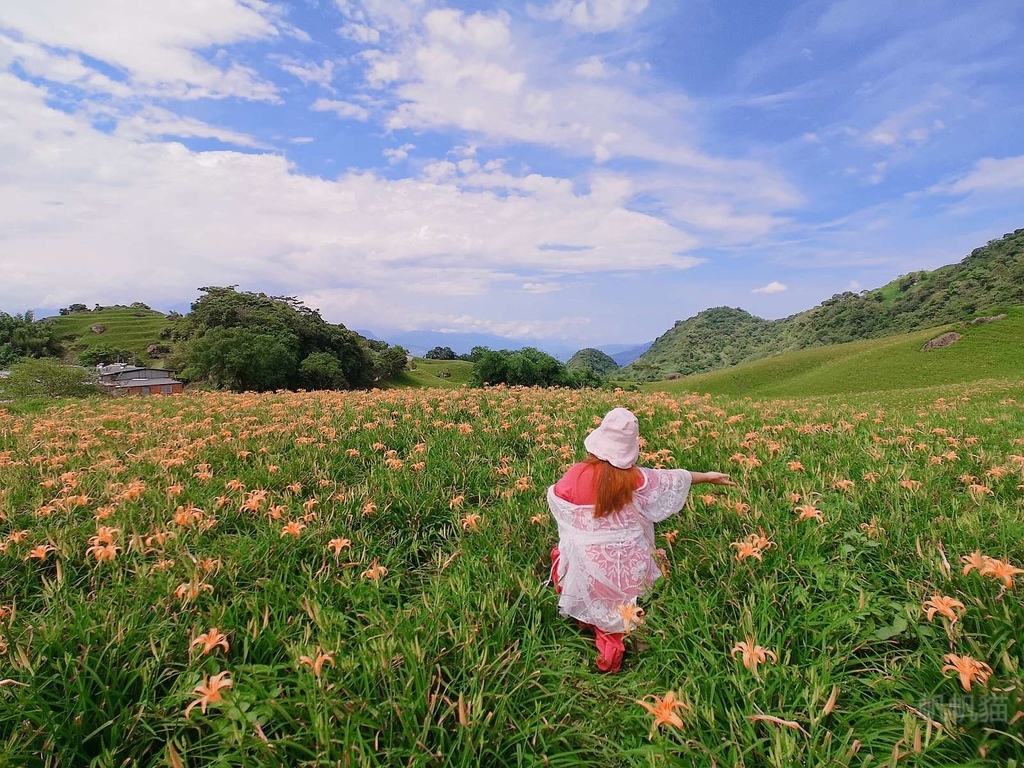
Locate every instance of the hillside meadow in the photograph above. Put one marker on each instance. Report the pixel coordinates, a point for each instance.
(987, 351)
(357, 579)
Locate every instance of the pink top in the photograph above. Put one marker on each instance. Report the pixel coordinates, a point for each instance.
(577, 484)
(608, 562)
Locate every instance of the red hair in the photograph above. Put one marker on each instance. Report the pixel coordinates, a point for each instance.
(613, 487)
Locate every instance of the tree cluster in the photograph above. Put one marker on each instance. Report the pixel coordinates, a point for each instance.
(528, 367)
(21, 336)
(252, 341)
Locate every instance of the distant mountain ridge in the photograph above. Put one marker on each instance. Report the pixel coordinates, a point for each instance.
(990, 277)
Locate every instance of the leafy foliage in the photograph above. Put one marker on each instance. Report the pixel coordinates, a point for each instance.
(594, 360)
(441, 353)
(45, 378)
(528, 367)
(21, 336)
(989, 278)
(244, 340)
(104, 354)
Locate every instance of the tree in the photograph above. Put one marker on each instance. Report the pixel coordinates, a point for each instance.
(241, 359)
(298, 331)
(527, 367)
(389, 362)
(21, 336)
(322, 370)
(46, 378)
(440, 353)
(105, 354)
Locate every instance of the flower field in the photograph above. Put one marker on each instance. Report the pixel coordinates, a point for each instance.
(335, 579)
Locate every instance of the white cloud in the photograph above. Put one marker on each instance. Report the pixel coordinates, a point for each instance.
(542, 287)
(155, 122)
(343, 109)
(592, 15)
(989, 175)
(360, 33)
(398, 154)
(58, 68)
(319, 74)
(592, 68)
(108, 218)
(773, 287)
(159, 53)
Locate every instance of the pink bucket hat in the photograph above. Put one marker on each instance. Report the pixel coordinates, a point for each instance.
(617, 439)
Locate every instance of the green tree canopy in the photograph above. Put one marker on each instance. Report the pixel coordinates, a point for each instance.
(21, 336)
(527, 367)
(441, 353)
(295, 334)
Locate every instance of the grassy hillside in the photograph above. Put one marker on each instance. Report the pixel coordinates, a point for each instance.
(425, 374)
(592, 360)
(990, 276)
(127, 328)
(990, 351)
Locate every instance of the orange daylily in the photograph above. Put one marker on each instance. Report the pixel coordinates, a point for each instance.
(470, 521)
(210, 640)
(753, 654)
(794, 466)
(632, 616)
(293, 528)
(103, 552)
(375, 571)
(210, 692)
(1000, 570)
(40, 551)
(663, 710)
(317, 663)
(944, 605)
(808, 512)
(969, 670)
(336, 545)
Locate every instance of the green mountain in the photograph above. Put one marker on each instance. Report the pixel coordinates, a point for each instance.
(989, 278)
(594, 360)
(984, 351)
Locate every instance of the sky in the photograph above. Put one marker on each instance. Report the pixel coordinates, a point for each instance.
(580, 170)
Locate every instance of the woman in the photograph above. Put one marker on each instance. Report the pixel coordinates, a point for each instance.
(606, 507)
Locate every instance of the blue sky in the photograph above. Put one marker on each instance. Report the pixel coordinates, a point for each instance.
(585, 170)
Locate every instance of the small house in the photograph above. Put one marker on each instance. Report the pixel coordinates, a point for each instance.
(119, 379)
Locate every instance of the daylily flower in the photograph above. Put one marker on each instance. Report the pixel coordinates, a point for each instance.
(40, 551)
(794, 466)
(336, 545)
(969, 670)
(632, 616)
(1000, 570)
(317, 663)
(103, 552)
(943, 605)
(375, 571)
(808, 512)
(210, 690)
(293, 528)
(663, 710)
(753, 654)
(210, 640)
(973, 561)
(538, 519)
(470, 521)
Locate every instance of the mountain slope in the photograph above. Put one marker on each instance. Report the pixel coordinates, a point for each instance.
(988, 351)
(990, 277)
(594, 360)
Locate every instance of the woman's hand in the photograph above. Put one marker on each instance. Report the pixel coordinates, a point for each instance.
(714, 478)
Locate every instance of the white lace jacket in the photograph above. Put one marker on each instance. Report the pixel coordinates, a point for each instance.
(607, 562)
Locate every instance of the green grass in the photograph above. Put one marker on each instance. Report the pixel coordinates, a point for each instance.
(457, 655)
(990, 351)
(424, 375)
(131, 329)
